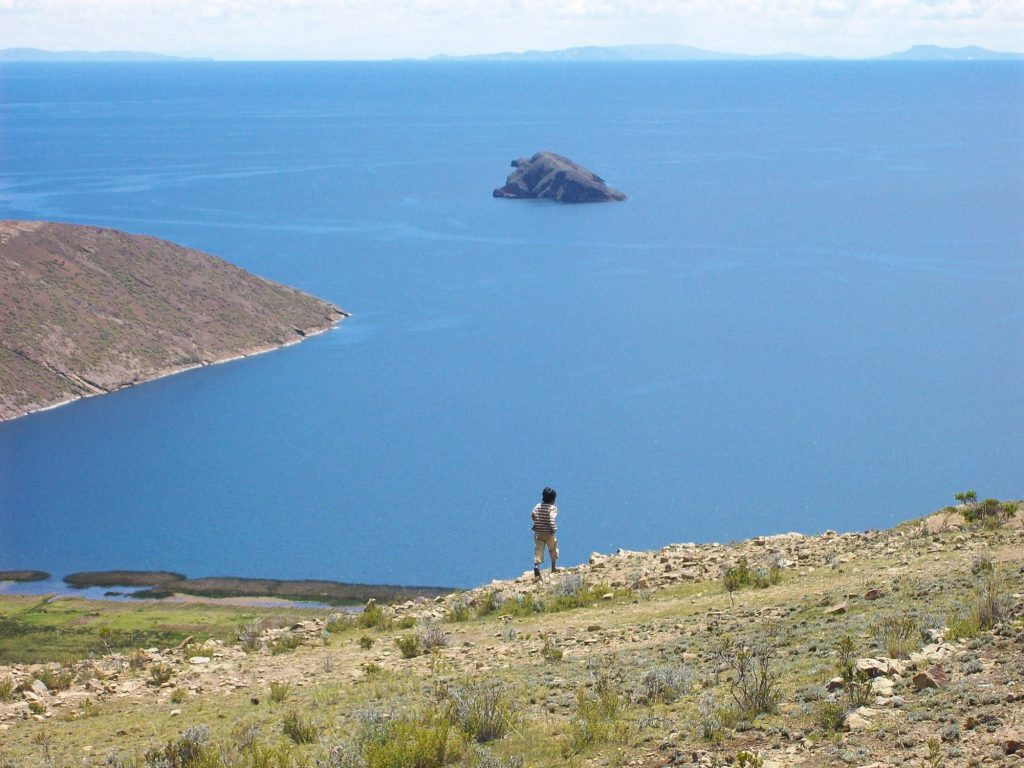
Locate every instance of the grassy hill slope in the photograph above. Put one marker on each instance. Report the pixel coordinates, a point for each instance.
(902, 647)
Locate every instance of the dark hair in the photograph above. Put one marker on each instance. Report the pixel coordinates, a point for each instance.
(548, 495)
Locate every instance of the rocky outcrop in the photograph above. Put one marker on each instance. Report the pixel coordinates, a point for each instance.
(547, 176)
(85, 310)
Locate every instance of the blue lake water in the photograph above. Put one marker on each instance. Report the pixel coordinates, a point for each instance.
(809, 314)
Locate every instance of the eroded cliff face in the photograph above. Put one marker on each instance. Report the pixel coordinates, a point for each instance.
(547, 176)
(86, 310)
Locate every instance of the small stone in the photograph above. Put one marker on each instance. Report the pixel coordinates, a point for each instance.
(39, 688)
(872, 667)
(874, 594)
(1011, 742)
(607, 596)
(857, 722)
(175, 712)
(882, 686)
(199, 660)
(837, 609)
(933, 677)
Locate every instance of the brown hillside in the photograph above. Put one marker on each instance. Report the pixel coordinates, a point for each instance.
(86, 310)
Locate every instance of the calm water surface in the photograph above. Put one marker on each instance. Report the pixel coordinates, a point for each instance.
(808, 314)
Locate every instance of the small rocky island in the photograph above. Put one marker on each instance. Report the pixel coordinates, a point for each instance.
(547, 176)
(85, 310)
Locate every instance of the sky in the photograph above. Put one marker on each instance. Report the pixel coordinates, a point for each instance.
(384, 29)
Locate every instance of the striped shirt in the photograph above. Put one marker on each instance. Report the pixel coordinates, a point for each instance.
(543, 516)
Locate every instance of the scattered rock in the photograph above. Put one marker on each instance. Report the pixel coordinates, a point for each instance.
(1011, 742)
(882, 686)
(837, 609)
(933, 677)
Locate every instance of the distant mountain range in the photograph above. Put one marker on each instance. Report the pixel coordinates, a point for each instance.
(689, 53)
(938, 53)
(38, 54)
(583, 53)
(626, 53)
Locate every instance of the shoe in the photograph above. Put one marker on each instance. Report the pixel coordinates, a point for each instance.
(536, 571)
(553, 569)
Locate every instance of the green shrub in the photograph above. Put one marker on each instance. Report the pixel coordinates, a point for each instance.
(855, 681)
(709, 714)
(189, 750)
(6, 689)
(415, 743)
(458, 611)
(373, 617)
(279, 691)
(747, 759)
(830, 716)
(250, 636)
(138, 660)
(662, 684)
(489, 602)
(982, 565)
(737, 576)
(990, 512)
(56, 679)
(300, 728)
(523, 605)
(178, 695)
(990, 604)
(197, 649)
(432, 636)
(742, 575)
(160, 674)
(595, 722)
(898, 635)
(37, 707)
(483, 711)
(988, 607)
(289, 641)
(406, 622)
(550, 651)
(754, 680)
(961, 626)
(338, 622)
(365, 642)
(409, 645)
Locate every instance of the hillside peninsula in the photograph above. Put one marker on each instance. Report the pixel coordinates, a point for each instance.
(86, 310)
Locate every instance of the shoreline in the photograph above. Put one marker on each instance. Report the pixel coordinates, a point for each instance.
(335, 324)
(120, 585)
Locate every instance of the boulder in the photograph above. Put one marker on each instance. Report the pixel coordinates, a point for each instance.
(933, 677)
(872, 667)
(547, 176)
(837, 609)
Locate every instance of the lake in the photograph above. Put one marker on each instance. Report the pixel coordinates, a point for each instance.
(809, 313)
